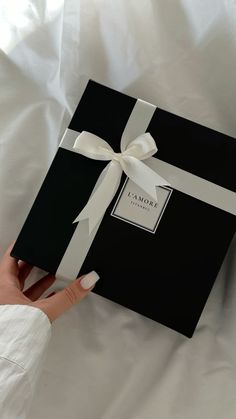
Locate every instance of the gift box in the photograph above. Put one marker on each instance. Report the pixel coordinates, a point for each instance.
(144, 197)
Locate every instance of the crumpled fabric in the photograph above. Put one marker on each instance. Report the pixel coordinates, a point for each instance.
(105, 361)
(25, 332)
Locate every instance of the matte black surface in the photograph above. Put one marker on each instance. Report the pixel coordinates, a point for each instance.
(167, 276)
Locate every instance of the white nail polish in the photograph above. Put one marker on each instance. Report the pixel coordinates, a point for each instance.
(89, 280)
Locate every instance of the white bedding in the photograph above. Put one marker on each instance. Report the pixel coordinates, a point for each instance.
(104, 361)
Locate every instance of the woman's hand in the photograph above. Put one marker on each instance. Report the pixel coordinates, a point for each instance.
(13, 275)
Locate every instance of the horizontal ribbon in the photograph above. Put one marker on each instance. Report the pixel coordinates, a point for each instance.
(129, 161)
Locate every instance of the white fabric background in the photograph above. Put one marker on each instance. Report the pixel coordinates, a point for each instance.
(104, 361)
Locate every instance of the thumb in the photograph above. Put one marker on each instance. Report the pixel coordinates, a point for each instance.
(61, 301)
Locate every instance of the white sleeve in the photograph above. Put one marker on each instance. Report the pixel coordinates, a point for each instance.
(24, 335)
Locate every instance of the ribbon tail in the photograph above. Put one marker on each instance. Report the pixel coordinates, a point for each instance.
(107, 185)
(143, 176)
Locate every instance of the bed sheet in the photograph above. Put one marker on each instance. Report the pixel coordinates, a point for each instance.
(104, 361)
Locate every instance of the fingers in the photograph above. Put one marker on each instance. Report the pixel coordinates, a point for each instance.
(8, 263)
(24, 271)
(57, 304)
(36, 290)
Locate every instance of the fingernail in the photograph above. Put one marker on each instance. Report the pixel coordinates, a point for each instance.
(89, 280)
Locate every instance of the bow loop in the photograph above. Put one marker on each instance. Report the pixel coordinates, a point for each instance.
(92, 146)
(141, 147)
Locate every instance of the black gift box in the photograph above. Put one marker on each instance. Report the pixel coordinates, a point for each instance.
(167, 275)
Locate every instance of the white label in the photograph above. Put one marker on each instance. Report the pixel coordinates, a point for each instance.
(136, 207)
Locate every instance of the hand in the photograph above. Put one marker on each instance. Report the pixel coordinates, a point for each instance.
(13, 275)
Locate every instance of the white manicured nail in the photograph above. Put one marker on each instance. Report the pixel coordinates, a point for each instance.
(89, 280)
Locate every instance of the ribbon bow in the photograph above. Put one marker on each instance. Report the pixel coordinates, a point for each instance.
(129, 161)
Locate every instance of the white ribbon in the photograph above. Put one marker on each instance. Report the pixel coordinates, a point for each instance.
(129, 161)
